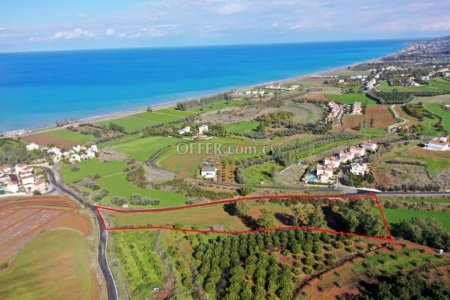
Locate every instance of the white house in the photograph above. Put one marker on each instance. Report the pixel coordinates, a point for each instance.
(437, 144)
(32, 146)
(185, 130)
(12, 187)
(334, 162)
(321, 170)
(27, 179)
(202, 129)
(74, 158)
(369, 146)
(93, 148)
(76, 148)
(359, 169)
(346, 156)
(40, 186)
(357, 151)
(324, 178)
(209, 172)
(5, 169)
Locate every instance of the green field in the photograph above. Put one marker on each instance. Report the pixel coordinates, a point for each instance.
(435, 85)
(441, 112)
(138, 262)
(71, 136)
(124, 139)
(218, 105)
(418, 199)
(351, 98)
(242, 127)
(113, 178)
(254, 175)
(54, 265)
(90, 168)
(396, 215)
(145, 119)
(143, 149)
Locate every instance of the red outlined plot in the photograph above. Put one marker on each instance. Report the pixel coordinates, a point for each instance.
(389, 237)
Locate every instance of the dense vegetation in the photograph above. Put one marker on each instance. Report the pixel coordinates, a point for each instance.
(13, 152)
(423, 230)
(401, 286)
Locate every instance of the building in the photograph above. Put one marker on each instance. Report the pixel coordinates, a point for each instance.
(74, 158)
(6, 169)
(32, 146)
(346, 156)
(356, 108)
(357, 151)
(202, 129)
(27, 179)
(369, 146)
(184, 130)
(39, 186)
(359, 169)
(209, 172)
(437, 144)
(332, 161)
(321, 170)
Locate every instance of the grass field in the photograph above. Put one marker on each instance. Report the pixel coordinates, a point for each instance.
(124, 139)
(254, 175)
(145, 119)
(113, 178)
(441, 112)
(436, 161)
(418, 199)
(90, 168)
(435, 85)
(71, 136)
(240, 127)
(351, 98)
(143, 149)
(396, 215)
(55, 265)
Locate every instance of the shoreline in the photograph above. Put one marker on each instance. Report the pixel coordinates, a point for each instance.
(173, 103)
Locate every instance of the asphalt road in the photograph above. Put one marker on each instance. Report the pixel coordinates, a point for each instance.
(111, 286)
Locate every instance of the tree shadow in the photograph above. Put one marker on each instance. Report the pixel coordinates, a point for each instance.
(285, 218)
(334, 220)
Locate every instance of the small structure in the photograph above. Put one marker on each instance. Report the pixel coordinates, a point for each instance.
(184, 130)
(209, 172)
(437, 144)
(369, 146)
(333, 161)
(359, 169)
(32, 146)
(356, 108)
(346, 156)
(202, 129)
(357, 151)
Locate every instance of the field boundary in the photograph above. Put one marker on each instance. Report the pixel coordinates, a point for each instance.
(389, 237)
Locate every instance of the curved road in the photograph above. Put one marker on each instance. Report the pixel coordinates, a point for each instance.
(111, 286)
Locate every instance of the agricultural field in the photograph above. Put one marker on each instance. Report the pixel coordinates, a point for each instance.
(111, 176)
(187, 161)
(254, 214)
(303, 112)
(435, 85)
(394, 215)
(144, 148)
(240, 127)
(442, 113)
(262, 174)
(351, 98)
(62, 138)
(378, 115)
(46, 239)
(136, 262)
(420, 167)
(140, 121)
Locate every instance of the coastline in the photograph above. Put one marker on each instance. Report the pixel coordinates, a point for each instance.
(173, 103)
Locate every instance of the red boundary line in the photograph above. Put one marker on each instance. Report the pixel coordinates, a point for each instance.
(127, 211)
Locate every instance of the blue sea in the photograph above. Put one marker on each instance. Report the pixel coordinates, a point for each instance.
(39, 88)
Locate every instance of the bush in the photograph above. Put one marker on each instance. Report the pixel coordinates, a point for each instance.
(75, 168)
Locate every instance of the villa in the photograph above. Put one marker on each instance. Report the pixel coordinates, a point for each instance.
(32, 146)
(334, 162)
(327, 170)
(346, 156)
(369, 146)
(357, 151)
(202, 129)
(437, 144)
(359, 169)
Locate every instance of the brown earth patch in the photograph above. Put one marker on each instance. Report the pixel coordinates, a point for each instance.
(43, 139)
